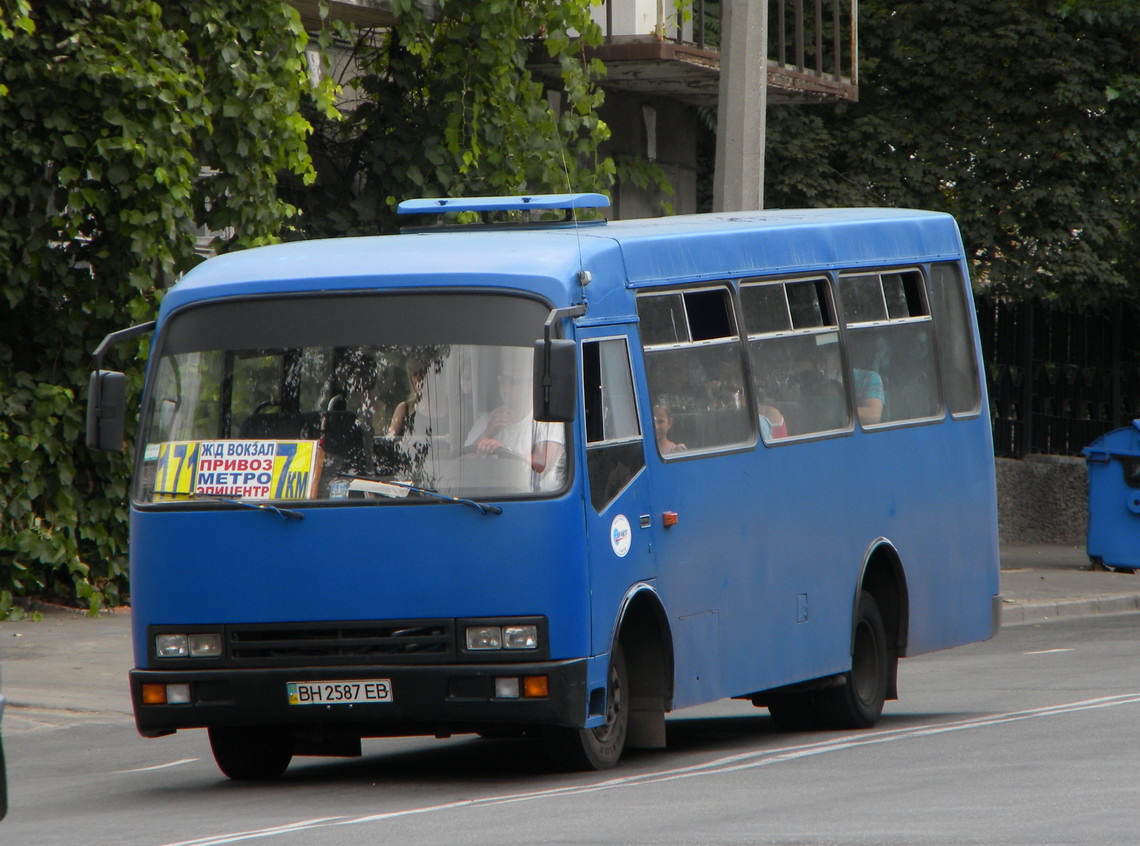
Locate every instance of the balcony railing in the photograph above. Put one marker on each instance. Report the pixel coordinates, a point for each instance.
(813, 47)
(671, 47)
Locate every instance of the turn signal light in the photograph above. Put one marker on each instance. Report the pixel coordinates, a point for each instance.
(166, 694)
(154, 694)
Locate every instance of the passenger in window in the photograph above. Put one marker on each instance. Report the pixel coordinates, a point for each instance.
(662, 423)
(774, 368)
(726, 386)
(869, 354)
(405, 411)
(772, 421)
(816, 384)
(510, 431)
(870, 399)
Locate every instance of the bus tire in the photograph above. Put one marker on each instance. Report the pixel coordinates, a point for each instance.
(251, 753)
(597, 748)
(857, 703)
(795, 712)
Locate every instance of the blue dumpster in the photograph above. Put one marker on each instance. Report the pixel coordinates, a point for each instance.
(1113, 461)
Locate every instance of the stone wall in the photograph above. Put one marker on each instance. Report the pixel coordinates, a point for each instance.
(1042, 499)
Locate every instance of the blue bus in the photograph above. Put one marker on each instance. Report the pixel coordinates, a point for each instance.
(554, 478)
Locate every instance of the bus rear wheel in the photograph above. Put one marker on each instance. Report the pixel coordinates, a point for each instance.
(597, 748)
(251, 753)
(858, 702)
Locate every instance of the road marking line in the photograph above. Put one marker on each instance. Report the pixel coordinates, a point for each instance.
(156, 767)
(261, 832)
(1049, 651)
(719, 766)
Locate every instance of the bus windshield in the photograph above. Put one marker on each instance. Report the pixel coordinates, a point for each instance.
(362, 398)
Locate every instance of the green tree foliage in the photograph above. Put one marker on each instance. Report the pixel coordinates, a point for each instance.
(1020, 117)
(128, 126)
(449, 107)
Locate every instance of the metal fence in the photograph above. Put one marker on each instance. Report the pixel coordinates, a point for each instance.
(1059, 377)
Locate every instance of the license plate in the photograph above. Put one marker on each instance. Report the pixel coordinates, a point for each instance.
(339, 692)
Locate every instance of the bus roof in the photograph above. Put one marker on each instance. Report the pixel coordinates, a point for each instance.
(545, 261)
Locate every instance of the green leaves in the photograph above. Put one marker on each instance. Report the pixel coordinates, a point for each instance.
(140, 134)
(1021, 118)
(130, 128)
(453, 106)
(15, 18)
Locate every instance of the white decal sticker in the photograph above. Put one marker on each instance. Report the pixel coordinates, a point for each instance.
(621, 537)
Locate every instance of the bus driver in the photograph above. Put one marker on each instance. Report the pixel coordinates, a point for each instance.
(511, 431)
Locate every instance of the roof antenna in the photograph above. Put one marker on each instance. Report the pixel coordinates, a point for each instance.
(584, 276)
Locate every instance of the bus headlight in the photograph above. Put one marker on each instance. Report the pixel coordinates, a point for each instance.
(503, 634)
(205, 645)
(194, 645)
(520, 637)
(484, 637)
(171, 646)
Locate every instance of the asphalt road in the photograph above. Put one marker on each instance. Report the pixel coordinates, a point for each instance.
(1023, 740)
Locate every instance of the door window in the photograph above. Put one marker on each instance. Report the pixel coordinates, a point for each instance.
(614, 451)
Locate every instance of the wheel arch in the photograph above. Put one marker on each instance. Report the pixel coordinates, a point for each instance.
(884, 578)
(645, 636)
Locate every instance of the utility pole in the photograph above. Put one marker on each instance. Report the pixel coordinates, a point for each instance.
(741, 106)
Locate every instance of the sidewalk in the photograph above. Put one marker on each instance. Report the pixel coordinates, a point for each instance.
(1041, 582)
(69, 668)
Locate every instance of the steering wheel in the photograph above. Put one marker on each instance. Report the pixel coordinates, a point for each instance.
(505, 453)
(261, 406)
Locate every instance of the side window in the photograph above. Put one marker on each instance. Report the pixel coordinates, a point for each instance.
(955, 339)
(793, 341)
(696, 371)
(614, 450)
(890, 346)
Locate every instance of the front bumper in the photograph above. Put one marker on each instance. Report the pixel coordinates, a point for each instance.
(425, 699)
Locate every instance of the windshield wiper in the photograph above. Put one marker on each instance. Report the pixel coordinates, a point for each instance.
(283, 513)
(478, 506)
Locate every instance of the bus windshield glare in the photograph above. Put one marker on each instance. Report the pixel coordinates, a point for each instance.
(361, 398)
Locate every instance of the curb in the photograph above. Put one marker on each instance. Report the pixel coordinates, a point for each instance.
(1015, 613)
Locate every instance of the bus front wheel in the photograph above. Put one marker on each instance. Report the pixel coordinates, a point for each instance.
(251, 753)
(597, 748)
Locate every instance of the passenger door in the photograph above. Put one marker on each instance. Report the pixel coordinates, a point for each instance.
(620, 530)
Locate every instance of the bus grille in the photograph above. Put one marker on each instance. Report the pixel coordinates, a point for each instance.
(364, 642)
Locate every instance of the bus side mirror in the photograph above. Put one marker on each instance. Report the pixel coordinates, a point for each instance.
(106, 410)
(555, 380)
